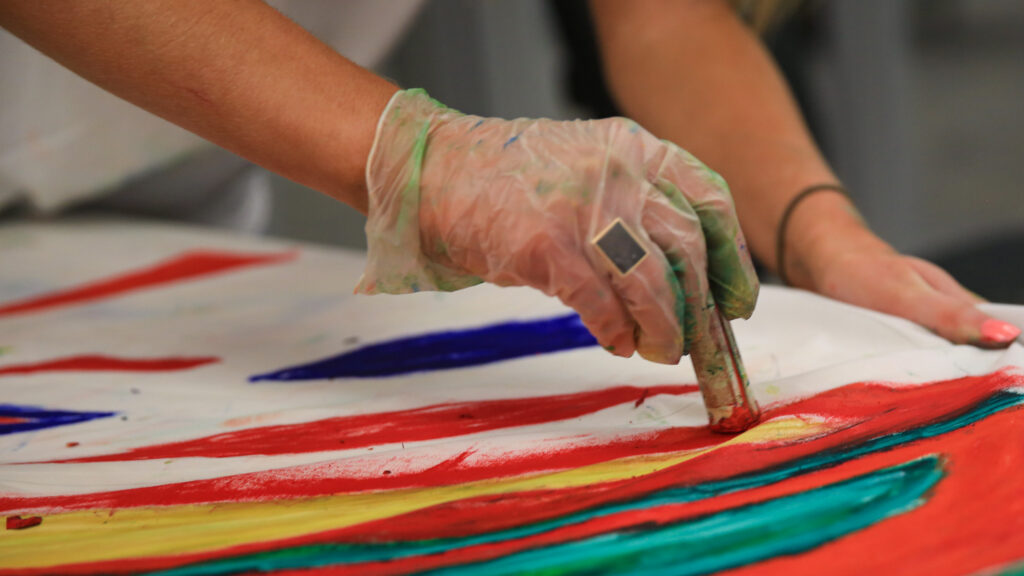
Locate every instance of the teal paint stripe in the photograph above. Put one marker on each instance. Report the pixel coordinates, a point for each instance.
(331, 554)
(733, 538)
(1014, 570)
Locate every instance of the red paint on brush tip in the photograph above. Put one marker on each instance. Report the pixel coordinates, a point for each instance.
(19, 523)
(998, 332)
(741, 419)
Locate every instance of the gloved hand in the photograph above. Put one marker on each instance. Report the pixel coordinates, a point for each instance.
(456, 199)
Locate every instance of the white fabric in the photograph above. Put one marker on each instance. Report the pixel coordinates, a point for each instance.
(64, 140)
(264, 318)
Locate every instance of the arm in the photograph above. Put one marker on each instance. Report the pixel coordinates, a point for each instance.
(236, 72)
(693, 73)
(452, 199)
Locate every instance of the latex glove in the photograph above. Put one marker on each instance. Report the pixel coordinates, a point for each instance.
(914, 289)
(455, 199)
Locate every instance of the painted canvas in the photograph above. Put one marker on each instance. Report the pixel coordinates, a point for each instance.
(181, 402)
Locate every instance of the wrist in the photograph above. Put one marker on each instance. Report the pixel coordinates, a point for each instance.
(399, 249)
(352, 156)
(823, 229)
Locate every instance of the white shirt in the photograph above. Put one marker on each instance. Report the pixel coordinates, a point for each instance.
(64, 140)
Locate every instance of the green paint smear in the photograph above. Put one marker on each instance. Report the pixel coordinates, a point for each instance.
(674, 277)
(735, 537)
(330, 554)
(1015, 570)
(733, 291)
(437, 104)
(543, 188)
(410, 207)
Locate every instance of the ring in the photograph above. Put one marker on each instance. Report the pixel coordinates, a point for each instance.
(620, 246)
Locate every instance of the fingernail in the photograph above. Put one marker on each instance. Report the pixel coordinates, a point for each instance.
(998, 332)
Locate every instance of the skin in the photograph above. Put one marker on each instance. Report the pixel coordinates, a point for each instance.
(243, 76)
(235, 72)
(691, 72)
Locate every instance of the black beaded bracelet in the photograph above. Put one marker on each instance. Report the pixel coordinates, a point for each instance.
(780, 238)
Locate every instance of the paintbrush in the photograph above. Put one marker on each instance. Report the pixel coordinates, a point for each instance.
(716, 359)
(721, 377)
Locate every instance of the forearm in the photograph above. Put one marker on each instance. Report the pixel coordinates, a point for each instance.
(692, 73)
(233, 71)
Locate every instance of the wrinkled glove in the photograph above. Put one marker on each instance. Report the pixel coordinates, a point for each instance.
(456, 199)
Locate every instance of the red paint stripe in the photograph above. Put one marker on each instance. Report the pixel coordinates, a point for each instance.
(871, 409)
(12, 420)
(427, 423)
(185, 266)
(939, 538)
(973, 521)
(97, 363)
(322, 479)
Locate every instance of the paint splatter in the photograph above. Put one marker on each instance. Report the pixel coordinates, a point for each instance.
(19, 523)
(446, 350)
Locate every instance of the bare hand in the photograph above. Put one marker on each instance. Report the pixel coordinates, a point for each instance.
(914, 289)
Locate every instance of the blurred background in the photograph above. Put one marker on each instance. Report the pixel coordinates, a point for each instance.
(919, 105)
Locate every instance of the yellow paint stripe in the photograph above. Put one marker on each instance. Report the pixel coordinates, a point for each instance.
(97, 535)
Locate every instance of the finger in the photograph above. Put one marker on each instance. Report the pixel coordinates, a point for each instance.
(730, 270)
(567, 275)
(942, 281)
(676, 229)
(647, 288)
(980, 329)
(948, 316)
(654, 300)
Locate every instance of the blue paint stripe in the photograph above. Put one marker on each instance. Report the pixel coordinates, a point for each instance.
(445, 350)
(36, 418)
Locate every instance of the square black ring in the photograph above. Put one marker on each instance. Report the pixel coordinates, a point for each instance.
(620, 246)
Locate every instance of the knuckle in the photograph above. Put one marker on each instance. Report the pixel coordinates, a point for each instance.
(950, 319)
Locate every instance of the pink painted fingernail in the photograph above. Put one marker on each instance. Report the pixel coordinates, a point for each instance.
(998, 332)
